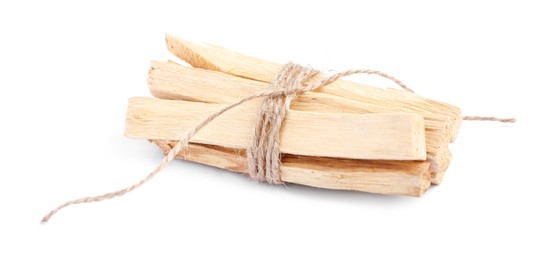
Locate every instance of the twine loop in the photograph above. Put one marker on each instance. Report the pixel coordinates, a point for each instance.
(263, 154)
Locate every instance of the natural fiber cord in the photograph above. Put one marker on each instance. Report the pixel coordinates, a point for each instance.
(264, 159)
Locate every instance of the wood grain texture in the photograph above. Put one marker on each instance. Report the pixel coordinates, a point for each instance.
(392, 136)
(384, 177)
(169, 80)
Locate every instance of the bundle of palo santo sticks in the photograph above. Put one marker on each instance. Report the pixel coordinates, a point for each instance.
(345, 135)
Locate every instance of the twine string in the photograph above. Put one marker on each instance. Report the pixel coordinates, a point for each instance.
(263, 154)
(490, 118)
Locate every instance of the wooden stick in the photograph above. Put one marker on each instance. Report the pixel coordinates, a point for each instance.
(170, 80)
(224, 60)
(356, 136)
(388, 177)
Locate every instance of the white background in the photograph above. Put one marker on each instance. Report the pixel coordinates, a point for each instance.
(67, 69)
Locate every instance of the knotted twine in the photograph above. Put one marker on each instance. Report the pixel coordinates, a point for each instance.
(263, 154)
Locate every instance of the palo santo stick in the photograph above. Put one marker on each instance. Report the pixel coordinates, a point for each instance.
(356, 136)
(387, 177)
(170, 80)
(224, 60)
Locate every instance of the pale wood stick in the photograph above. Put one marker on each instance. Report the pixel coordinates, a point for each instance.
(170, 80)
(395, 136)
(386, 177)
(220, 59)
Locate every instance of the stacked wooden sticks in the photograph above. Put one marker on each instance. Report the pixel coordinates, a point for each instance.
(343, 136)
